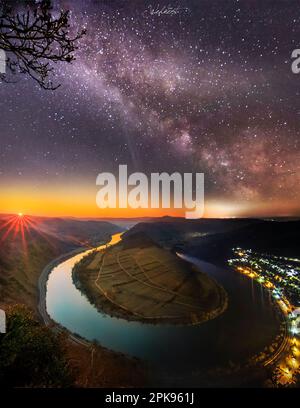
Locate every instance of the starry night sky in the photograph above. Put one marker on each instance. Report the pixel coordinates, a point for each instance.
(209, 89)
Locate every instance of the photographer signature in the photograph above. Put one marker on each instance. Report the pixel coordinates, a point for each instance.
(166, 10)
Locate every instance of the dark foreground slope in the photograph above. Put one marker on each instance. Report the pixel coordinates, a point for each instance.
(23, 255)
(28, 245)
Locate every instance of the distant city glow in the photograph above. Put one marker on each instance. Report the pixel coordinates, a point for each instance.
(281, 276)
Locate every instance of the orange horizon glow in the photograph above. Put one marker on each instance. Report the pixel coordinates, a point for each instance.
(84, 212)
(20, 227)
(80, 202)
(17, 226)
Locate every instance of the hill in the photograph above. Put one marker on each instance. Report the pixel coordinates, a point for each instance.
(213, 239)
(28, 244)
(273, 237)
(139, 280)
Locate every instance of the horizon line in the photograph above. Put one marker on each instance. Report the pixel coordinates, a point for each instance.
(151, 217)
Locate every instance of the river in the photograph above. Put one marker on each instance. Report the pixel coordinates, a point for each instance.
(245, 328)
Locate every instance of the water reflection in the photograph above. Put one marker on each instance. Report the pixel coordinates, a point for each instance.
(232, 336)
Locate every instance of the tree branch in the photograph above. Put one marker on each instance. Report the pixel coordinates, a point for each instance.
(34, 40)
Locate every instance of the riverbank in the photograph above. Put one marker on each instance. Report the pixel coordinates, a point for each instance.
(164, 347)
(42, 283)
(93, 364)
(148, 284)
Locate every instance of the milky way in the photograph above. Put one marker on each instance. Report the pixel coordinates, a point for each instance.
(208, 89)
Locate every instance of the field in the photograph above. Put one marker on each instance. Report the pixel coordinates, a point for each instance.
(148, 283)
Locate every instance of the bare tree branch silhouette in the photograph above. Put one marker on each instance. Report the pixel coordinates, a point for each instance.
(34, 39)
